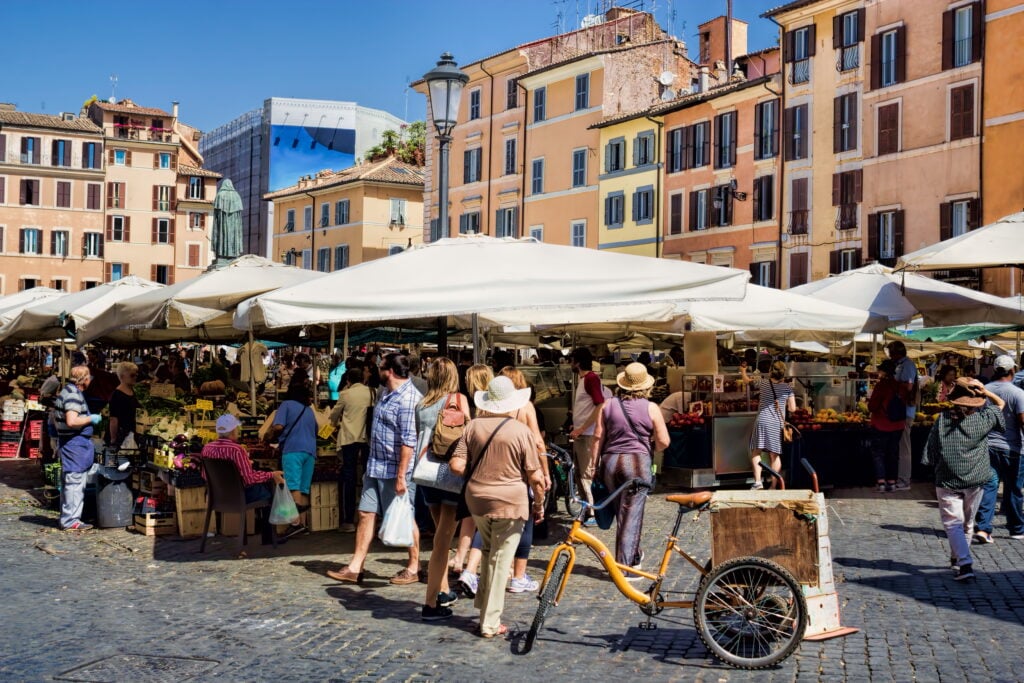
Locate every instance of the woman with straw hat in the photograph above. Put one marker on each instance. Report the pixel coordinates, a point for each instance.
(626, 426)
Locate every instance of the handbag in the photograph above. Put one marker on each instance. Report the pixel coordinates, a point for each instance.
(433, 472)
(451, 422)
(789, 432)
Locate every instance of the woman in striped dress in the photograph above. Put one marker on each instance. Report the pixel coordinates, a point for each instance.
(776, 399)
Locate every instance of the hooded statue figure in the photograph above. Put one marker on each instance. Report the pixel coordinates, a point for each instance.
(226, 239)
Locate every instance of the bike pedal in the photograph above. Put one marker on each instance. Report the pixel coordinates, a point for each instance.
(648, 626)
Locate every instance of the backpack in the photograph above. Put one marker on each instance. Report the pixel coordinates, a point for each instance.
(451, 422)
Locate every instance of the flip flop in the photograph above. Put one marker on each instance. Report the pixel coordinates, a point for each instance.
(502, 630)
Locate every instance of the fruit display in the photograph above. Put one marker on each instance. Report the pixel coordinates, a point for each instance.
(827, 418)
(167, 428)
(684, 420)
(244, 402)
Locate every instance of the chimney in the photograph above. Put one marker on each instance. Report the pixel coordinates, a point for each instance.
(721, 75)
(174, 109)
(705, 79)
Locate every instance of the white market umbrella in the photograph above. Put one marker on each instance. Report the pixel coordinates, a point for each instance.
(505, 281)
(44, 320)
(995, 245)
(897, 297)
(198, 309)
(13, 304)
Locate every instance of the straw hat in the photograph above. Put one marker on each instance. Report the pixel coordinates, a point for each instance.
(501, 397)
(966, 395)
(635, 378)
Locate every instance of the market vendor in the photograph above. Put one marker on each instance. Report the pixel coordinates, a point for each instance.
(103, 382)
(123, 405)
(74, 438)
(226, 447)
(673, 403)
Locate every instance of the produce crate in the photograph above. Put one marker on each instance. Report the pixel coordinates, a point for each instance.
(52, 474)
(10, 437)
(33, 453)
(147, 482)
(35, 429)
(8, 450)
(323, 494)
(324, 519)
(10, 425)
(156, 524)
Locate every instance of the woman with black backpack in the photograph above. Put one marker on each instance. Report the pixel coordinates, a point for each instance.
(888, 408)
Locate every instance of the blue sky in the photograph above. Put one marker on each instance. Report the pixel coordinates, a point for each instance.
(220, 58)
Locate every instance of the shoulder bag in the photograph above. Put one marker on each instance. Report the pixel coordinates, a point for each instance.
(789, 432)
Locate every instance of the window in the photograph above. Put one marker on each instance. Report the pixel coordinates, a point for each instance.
(766, 129)
(887, 66)
(60, 153)
(325, 214)
(701, 144)
(31, 241)
(510, 156)
(847, 33)
(289, 224)
(675, 214)
(888, 128)
(59, 243)
(163, 274)
(28, 283)
(3, 188)
(842, 260)
(120, 157)
(63, 194)
(764, 198)
(307, 217)
(474, 104)
(799, 48)
(115, 195)
(579, 167)
(162, 197)
(307, 259)
(799, 207)
(30, 150)
(117, 229)
(797, 138)
(614, 210)
(116, 271)
(537, 177)
(844, 123)
(398, 211)
(675, 159)
(92, 245)
(92, 196)
(91, 155)
(615, 155)
(537, 233)
(165, 160)
(961, 112)
(762, 273)
(643, 205)
(196, 188)
(341, 256)
(643, 149)
(885, 236)
(540, 99)
(725, 140)
(472, 165)
(323, 259)
(957, 217)
(511, 94)
(60, 284)
(506, 222)
(582, 91)
(341, 212)
(699, 210)
(163, 231)
(29, 193)
(961, 35)
(194, 251)
(722, 204)
(798, 269)
(196, 221)
(847, 192)
(469, 223)
(579, 234)
(435, 229)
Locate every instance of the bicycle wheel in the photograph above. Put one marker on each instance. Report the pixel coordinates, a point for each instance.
(547, 599)
(750, 613)
(571, 506)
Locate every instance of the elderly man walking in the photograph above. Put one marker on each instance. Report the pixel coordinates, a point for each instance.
(1004, 453)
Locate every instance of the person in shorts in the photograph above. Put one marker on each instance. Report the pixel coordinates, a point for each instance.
(295, 430)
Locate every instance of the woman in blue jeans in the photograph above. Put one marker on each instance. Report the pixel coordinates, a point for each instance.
(885, 431)
(295, 430)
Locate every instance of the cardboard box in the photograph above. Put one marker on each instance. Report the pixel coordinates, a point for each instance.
(156, 524)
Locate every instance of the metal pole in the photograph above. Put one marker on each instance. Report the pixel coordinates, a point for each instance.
(252, 374)
(330, 352)
(476, 338)
(444, 142)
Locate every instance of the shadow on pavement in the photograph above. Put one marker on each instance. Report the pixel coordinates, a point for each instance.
(923, 530)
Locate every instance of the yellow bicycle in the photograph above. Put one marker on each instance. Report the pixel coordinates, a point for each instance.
(749, 612)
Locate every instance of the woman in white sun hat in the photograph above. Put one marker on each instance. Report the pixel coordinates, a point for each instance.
(626, 427)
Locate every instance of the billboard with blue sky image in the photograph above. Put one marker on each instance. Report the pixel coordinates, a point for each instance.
(307, 136)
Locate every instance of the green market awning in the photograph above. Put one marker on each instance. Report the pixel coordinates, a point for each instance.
(954, 332)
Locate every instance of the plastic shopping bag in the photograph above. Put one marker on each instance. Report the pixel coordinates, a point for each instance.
(282, 508)
(397, 527)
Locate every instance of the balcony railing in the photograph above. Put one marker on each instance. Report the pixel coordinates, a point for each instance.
(798, 221)
(962, 51)
(846, 217)
(132, 131)
(800, 72)
(849, 58)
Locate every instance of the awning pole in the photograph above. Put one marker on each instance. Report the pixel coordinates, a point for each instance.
(252, 374)
(345, 344)
(331, 347)
(476, 338)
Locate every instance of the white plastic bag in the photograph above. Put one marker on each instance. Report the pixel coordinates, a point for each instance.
(283, 509)
(397, 527)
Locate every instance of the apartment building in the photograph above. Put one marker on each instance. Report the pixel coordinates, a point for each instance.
(530, 158)
(51, 206)
(336, 219)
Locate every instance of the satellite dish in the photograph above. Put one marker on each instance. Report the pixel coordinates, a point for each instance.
(666, 78)
(668, 95)
(112, 100)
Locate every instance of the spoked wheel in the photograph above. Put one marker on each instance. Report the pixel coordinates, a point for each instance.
(547, 599)
(750, 613)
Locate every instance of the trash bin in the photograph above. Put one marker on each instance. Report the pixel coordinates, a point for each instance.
(113, 500)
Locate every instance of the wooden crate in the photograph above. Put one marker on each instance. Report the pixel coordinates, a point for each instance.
(149, 483)
(324, 518)
(156, 524)
(323, 494)
(227, 524)
(190, 523)
(190, 507)
(775, 534)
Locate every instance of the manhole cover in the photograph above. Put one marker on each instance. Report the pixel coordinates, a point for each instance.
(138, 669)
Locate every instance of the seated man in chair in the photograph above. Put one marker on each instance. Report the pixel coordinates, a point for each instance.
(257, 484)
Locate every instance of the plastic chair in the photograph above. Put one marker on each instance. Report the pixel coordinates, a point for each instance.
(227, 494)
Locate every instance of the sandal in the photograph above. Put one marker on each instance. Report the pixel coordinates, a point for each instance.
(502, 631)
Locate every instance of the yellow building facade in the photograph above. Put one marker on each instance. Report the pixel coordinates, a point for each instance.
(629, 190)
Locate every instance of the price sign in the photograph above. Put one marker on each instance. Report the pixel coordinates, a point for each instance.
(164, 390)
(204, 404)
(326, 431)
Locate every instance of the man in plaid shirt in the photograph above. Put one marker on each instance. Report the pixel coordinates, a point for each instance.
(389, 468)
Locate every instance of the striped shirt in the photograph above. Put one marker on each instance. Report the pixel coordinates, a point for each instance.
(959, 448)
(394, 426)
(71, 398)
(226, 449)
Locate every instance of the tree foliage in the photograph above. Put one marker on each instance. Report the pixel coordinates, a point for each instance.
(407, 144)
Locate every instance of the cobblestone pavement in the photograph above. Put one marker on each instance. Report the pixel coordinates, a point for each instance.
(112, 605)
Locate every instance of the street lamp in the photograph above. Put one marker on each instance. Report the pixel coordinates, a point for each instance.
(444, 90)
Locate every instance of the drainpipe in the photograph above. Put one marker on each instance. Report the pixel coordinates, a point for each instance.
(782, 163)
(981, 157)
(490, 149)
(657, 191)
(312, 231)
(522, 181)
(728, 40)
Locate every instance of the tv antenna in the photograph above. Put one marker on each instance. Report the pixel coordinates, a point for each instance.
(113, 87)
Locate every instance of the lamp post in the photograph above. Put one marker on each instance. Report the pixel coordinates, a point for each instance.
(444, 90)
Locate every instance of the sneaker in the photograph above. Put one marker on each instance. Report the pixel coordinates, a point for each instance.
(78, 526)
(447, 599)
(889, 488)
(523, 585)
(590, 522)
(901, 486)
(1017, 537)
(952, 563)
(347, 528)
(757, 486)
(882, 488)
(294, 530)
(964, 572)
(468, 583)
(435, 613)
(983, 537)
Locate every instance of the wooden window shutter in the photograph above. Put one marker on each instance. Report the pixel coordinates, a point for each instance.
(755, 273)
(170, 275)
(85, 245)
(103, 243)
(636, 151)
(948, 47)
(110, 195)
(156, 231)
(787, 131)
(734, 118)
(852, 99)
(787, 47)
(876, 61)
(860, 24)
(873, 237)
(202, 220)
(110, 157)
(675, 214)
(669, 152)
(23, 192)
(727, 199)
(128, 158)
(156, 159)
(707, 140)
(858, 185)
(901, 54)
(693, 211)
(108, 272)
(170, 231)
(812, 40)
(36, 150)
(758, 132)
(3, 189)
(54, 149)
(99, 155)
(127, 228)
(775, 105)
(967, 111)
(122, 192)
(977, 30)
(837, 31)
(173, 199)
(834, 262)
(125, 269)
(85, 155)
(688, 147)
(110, 227)
(21, 241)
(837, 123)
(945, 220)
(757, 199)
(707, 207)
(67, 152)
(3, 148)
(974, 214)
(897, 233)
(607, 211)
(152, 273)
(479, 169)
(465, 166)
(837, 189)
(156, 197)
(773, 268)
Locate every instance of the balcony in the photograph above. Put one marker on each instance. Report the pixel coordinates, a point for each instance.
(846, 217)
(849, 58)
(798, 220)
(289, 226)
(800, 72)
(139, 131)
